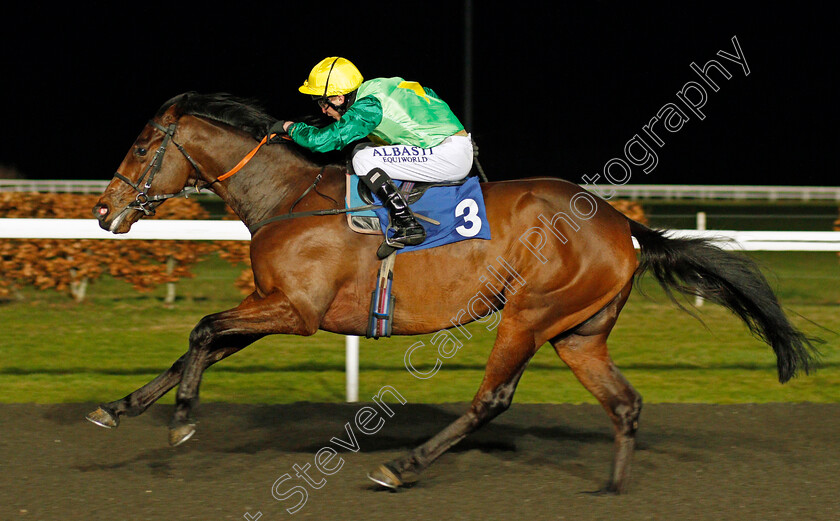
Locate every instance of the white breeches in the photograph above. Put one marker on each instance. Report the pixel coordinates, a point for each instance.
(451, 160)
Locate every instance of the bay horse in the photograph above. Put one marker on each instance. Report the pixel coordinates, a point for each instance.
(570, 258)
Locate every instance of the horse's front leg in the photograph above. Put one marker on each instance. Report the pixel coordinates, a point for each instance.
(278, 319)
(222, 334)
(108, 414)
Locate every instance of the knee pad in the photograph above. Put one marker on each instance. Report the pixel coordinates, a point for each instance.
(375, 179)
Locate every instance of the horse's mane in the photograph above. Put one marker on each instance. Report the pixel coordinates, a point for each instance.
(244, 114)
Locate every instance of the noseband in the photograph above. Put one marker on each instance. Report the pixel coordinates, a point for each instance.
(146, 203)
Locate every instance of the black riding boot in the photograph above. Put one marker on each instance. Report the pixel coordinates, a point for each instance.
(407, 231)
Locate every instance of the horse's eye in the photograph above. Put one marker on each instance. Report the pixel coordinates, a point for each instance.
(140, 151)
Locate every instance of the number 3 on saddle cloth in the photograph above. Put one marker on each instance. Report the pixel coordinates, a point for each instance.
(456, 211)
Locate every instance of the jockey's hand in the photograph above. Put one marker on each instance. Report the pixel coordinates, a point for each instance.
(278, 129)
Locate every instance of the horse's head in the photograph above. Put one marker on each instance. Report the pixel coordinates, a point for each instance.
(150, 173)
(217, 131)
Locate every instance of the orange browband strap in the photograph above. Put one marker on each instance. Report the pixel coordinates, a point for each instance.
(247, 158)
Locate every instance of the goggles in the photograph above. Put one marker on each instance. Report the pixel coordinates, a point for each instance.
(324, 102)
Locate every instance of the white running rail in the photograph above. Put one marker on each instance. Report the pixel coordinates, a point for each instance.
(222, 230)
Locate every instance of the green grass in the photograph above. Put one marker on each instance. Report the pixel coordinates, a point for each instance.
(56, 351)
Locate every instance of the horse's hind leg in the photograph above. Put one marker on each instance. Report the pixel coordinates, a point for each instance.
(510, 355)
(584, 350)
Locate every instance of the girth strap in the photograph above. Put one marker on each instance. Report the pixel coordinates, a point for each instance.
(382, 301)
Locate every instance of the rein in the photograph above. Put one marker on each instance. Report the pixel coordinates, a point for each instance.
(331, 211)
(294, 215)
(245, 159)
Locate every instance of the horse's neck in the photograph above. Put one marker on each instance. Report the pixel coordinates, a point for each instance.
(270, 184)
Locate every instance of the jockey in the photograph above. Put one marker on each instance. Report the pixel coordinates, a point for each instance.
(417, 136)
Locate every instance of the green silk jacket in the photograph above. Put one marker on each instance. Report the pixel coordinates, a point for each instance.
(387, 111)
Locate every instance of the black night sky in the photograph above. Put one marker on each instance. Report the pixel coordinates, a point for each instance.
(557, 88)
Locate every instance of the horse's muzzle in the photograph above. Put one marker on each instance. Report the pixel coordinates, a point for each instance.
(109, 220)
(101, 213)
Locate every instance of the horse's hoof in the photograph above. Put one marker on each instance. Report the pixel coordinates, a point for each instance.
(104, 418)
(179, 433)
(388, 477)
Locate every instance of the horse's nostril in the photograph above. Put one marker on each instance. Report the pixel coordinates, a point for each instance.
(100, 211)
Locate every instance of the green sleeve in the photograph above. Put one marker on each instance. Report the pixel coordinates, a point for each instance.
(359, 121)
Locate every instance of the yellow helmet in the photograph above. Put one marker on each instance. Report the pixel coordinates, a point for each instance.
(332, 77)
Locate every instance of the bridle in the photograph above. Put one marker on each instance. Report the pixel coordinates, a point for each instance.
(147, 203)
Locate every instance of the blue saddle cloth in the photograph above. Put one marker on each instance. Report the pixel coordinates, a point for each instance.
(458, 208)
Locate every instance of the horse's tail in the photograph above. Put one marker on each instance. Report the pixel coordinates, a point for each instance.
(694, 266)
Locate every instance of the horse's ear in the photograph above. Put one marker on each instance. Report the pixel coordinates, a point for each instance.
(171, 115)
(175, 107)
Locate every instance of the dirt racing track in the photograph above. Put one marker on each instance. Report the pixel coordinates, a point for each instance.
(535, 462)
